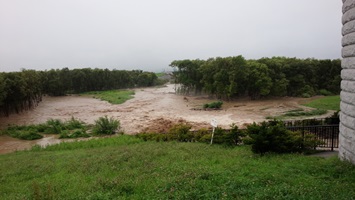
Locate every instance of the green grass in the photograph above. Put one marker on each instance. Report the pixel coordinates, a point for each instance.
(125, 167)
(112, 96)
(300, 113)
(326, 103)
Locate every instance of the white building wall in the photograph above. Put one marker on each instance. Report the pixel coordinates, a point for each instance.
(347, 105)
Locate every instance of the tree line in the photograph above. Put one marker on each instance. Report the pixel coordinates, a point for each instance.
(23, 90)
(230, 77)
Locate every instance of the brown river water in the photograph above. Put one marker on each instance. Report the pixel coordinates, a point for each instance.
(151, 109)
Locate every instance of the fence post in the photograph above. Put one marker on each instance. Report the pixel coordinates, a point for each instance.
(333, 130)
(303, 139)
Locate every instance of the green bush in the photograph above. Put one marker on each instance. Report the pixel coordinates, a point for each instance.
(29, 135)
(74, 124)
(181, 133)
(198, 135)
(273, 136)
(22, 132)
(54, 126)
(106, 126)
(305, 95)
(310, 141)
(216, 104)
(325, 92)
(229, 138)
(307, 91)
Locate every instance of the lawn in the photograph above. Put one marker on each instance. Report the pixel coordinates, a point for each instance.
(326, 103)
(112, 96)
(125, 167)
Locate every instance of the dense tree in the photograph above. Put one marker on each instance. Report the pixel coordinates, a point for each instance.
(259, 81)
(23, 90)
(231, 77)
(188, 75)
(19, 91)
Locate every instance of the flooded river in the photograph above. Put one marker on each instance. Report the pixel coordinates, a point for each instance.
(151, 109)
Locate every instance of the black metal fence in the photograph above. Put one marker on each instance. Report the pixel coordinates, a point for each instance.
(328, 135)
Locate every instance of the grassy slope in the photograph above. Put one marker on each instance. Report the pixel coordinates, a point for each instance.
(125, 167)
(326, 103)
(112, 96)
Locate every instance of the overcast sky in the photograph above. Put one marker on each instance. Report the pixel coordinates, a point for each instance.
(148, 35)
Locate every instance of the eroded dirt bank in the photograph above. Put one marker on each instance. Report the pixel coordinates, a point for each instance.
(152, 109)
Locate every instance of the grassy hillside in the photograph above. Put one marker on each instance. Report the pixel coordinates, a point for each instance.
(326, 103)
(125, 167)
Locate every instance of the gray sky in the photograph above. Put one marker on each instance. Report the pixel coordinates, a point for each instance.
(148, 35)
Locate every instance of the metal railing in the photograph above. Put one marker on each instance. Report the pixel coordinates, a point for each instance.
(328, 135)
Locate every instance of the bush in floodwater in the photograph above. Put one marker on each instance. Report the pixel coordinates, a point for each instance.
(29, 135)
(54, 126)
(22, 132)
(74, 124)
(106, 126)
(216, 104)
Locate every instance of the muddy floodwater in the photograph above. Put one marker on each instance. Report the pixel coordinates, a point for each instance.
(151, 109)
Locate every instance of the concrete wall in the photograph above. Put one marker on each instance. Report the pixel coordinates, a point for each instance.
(347, 105)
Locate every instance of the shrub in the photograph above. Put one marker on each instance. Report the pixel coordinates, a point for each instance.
(305, 95)
(29, 135)
(216, 104)
(180, 132)
(74, 124)
(106, 126)
(325, 92)
(310, 141)
(273, 136)
(21, 132)
(54, 126)
(229, 138)
(307, 91)
(198, 135)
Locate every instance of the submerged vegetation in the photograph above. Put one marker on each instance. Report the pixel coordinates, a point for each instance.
(213, 105)
(125, 167)
(106, 126)
(112, 96)
(72, 128)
